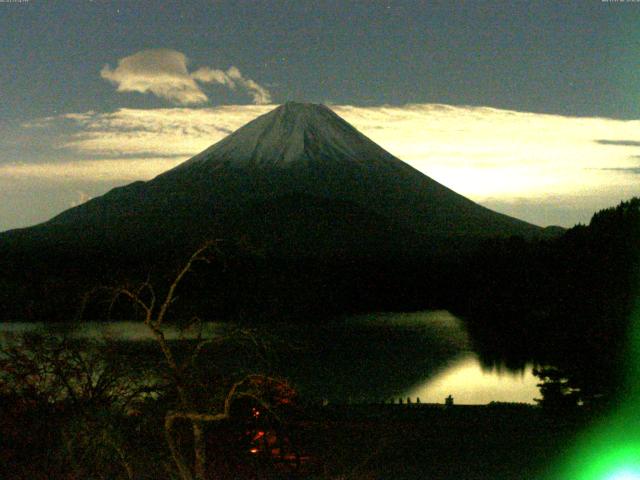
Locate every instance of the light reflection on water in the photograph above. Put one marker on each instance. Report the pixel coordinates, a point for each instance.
(139, 332)
(469, 383)
(366, 358)
(115, 331)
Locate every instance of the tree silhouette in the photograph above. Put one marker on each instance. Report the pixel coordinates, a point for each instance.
(555, 388)
(194, 407)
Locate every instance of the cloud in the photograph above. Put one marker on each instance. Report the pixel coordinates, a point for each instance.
(118, 170)
(82, 198)
(478, 151)
(210, 75)
(485, 152)
(260, 95)
(161, 132)
(632, 170)
(623, 143)
(164, 73)
(519, 162)
(232, 78)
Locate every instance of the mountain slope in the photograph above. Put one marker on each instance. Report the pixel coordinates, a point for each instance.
(295, 150)
(314, 213)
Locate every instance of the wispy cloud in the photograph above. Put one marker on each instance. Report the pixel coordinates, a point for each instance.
(479, 151)
(164, 73)
(622, 143)
(109, 170)
(234, 79)
(521, 163)
(633, 170)
(166, 132)
(491, 153)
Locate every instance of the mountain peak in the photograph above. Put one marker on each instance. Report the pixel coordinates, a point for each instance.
(304, 114)
(292, 133)
(293, 106)
(300, 110)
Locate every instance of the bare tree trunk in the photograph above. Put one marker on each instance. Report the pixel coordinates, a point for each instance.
(183, 469)
(121, 454)
(199, 450)
(199, 442)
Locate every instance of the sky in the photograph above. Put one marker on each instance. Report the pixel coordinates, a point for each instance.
(531, 108)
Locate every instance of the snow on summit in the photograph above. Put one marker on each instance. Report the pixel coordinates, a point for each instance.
(294, 132)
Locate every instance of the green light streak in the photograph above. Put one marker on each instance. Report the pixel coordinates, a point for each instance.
(611, 449)
(626, 474)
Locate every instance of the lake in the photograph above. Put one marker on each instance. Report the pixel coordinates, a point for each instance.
(367, 358)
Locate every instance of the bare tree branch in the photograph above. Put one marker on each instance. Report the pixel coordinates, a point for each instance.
(198, 255)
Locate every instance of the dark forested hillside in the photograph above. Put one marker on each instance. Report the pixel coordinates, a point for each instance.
(565, 302)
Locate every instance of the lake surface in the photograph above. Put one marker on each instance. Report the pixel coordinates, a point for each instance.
(368, 358)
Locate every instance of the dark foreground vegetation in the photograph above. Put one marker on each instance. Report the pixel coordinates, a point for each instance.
(73, 411)
(77, 411)
(566, 302)
(364, 442)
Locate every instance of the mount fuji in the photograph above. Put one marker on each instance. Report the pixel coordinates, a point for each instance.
(297, 184)
(299, 172)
